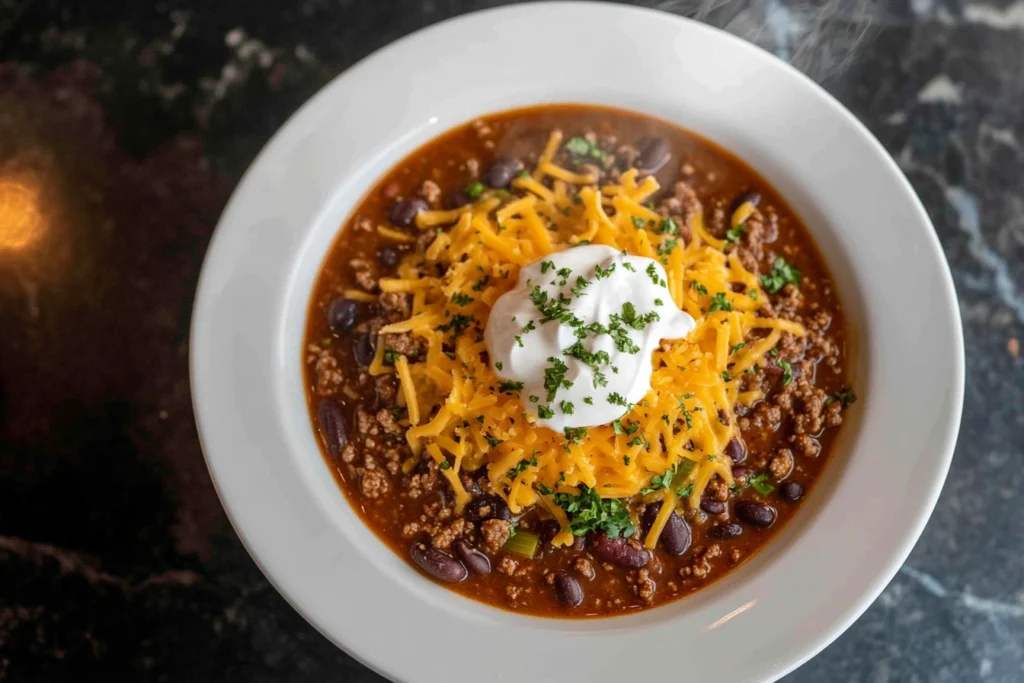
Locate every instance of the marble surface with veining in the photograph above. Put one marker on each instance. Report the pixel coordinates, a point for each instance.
(123, 128)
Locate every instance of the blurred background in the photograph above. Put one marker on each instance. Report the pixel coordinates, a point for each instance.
(124, 127)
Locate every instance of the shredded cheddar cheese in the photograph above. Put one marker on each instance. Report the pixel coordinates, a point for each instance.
(671, 444)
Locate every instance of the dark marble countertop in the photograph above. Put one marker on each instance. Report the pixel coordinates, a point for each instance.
(123, 128)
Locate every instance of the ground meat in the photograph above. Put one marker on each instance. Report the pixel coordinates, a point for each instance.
(766, 416)
(425, 239)
(374, 483)
(507, 566)
(627, 154)
(386, 387)
(366, 423)
(644, 586)
(701, 566)
(473, 166)
(325, 368)
(791, 347)
(404, 343)
(788, 302)
(348, 454)
(396, 303)
(513, 592)
(364, 224)
(683, 206)
(807, 446)
(583, 567)
(444, 537)
(781, 464)
(423, 482)
(386, 419)
(717, 490)
(431, 192)
(362, 273)
(495, 533)
(758, 230)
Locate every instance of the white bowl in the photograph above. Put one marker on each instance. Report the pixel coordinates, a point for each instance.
(761, 621)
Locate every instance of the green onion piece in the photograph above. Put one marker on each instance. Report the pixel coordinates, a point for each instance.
(524, 543)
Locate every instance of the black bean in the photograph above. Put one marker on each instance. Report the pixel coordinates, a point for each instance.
(736, 450)
(740, 472)
(712, 507)
(501, 172)
(476, 561)
(364, 348)
(441, 566)
(547, 530)
(755, 514)
(753, 197)
(457, 199)
(653, 155)
(724, 531)
(332, 426)
(403, 214)
(341, 315)
(568, 590)
(792, 491)
(618, 551)
(387, 256)
(485, 507)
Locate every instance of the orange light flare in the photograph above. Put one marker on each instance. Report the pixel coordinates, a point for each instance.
(21, 220)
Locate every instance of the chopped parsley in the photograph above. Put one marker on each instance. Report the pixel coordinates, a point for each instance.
(563, 273)
(444, 465)
(787, 374)
(545, 266)
(589, 401)
(391, 357)
(492, 441)
(629, 267)
(659, 302)
(545, 412)
(474, 190)
(510, 387)
(638, 222)
(619, 428)
(534, 399)
(686, 413)
(667, 246)
(668, 226)
(544, 489)
(582, 147)
(701, 289)
(589, 512)
(782, 274)
(498, 364)
(575, 434)
(581, 284)
(761, 483)
(737, 347)
(625, 460)
(567, 407)
(844, 396)
(554, 377)
(520, 467)
(618, 399)
(652, 271)
(659, 481)
(719, 303)
(481, 283)
(601, 273)
(734, 233)
(461, 299)
(458, 324)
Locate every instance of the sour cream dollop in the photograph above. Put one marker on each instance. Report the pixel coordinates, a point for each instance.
(574, 338)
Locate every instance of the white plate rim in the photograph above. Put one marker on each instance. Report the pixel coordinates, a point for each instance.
(214, 338)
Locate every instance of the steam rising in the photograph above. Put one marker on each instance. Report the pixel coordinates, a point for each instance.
(819, 38)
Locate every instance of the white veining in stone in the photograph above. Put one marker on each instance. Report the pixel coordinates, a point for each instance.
(1009, 18)
(940, 89)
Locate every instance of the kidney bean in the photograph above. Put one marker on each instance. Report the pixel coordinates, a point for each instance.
(341, 315)
(332, 426)
(653, 155)
(792, 491)
(740, 472)
(618, 551)
(387, 256)
(712, 507)
(501, 172)
(363, 349)
(403, 214)
(441, 566)
(675, 536)
(568, 590)
(487, 507)
(476, 561)
(736, 450)
(755, 514)
(725, 531)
